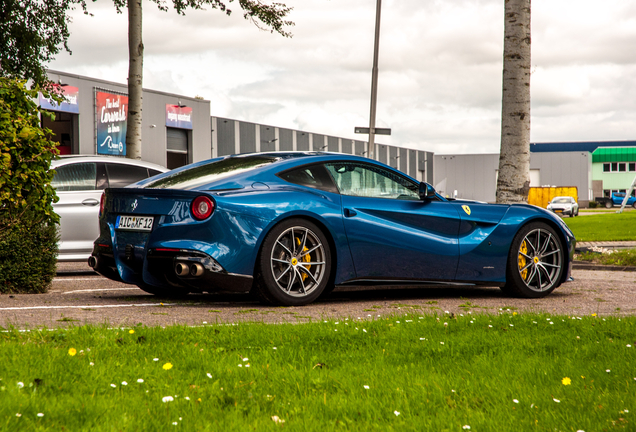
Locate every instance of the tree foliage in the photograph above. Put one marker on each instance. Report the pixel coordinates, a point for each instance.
(26, 194)
(32, 32)
(28, 229)
(266, 16)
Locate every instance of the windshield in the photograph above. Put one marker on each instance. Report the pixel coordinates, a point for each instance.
(204, 174)
(562, 200)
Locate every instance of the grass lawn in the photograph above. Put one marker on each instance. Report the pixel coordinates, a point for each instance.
(410, 372)
(604, 227)
(626, 257)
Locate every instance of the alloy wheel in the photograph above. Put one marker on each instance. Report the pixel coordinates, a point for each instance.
(298, 261)
(539, 260)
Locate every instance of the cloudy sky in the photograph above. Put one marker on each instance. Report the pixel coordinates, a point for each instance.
(439, 86)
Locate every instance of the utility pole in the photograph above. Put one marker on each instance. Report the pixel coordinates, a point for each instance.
(374, 81)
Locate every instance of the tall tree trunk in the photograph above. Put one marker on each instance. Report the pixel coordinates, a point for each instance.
(513, 182)
(135, 80)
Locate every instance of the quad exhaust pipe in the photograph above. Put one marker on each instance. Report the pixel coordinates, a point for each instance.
(188, 269)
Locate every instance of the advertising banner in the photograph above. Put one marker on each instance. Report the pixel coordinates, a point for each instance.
(112, 112)
(70, 104)
(178, 116)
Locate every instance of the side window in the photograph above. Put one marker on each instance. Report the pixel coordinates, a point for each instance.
(120, 175)
(314, 176)
(366, 180)
(75, 177)
(153, 172)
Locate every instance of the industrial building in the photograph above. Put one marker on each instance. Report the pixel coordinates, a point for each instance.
(595, 168)
(178, 130)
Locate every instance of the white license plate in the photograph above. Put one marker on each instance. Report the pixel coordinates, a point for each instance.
(134, 223)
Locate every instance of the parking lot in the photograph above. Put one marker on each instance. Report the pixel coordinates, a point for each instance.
(79, 297)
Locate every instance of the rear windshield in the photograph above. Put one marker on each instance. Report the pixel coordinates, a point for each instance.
(204, 174)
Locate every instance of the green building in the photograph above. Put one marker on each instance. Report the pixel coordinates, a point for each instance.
(613, 169)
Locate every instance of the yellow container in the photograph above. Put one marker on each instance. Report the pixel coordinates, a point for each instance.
(541, 196)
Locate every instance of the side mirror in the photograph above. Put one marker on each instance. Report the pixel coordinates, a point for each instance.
(426, 191)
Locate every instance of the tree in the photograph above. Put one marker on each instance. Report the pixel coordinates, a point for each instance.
(513, 181)
(28, 232)
(31, 33)
(265, 16)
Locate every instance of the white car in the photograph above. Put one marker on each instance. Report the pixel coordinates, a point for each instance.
(79, 183)
(564, 205)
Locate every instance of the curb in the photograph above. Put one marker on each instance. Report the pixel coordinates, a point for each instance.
(577, 265)
(77, 273)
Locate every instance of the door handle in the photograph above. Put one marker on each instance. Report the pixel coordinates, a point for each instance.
(349, 212)
(90, 202)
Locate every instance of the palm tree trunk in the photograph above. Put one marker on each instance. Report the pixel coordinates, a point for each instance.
(513, 181)
(135, 80)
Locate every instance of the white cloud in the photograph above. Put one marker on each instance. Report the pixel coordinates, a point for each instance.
(440, 67)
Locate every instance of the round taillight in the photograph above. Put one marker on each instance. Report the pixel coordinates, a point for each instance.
(202, 207)
(101, 204)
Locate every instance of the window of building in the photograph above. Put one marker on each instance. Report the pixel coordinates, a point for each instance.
(619, 166)
(62, 126)
(178, 145)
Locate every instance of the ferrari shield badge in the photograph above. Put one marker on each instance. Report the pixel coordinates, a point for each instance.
(466, 209)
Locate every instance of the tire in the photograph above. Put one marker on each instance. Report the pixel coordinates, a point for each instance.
(577, 212)
(294, 264)
(634, 205)
(535, 262)
(609, 204)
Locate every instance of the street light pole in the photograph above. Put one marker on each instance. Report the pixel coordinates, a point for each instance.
(374, 81)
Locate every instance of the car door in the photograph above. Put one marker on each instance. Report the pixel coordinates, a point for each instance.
(392, 233)
(78, 208)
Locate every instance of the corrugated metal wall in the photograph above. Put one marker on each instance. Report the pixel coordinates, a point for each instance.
(302, 141)
(231, 136)
(268, 139)
(286, 140)
(247, 134)
(226, 141)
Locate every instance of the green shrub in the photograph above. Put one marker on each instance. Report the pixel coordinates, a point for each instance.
(28, 239)
(593, 204)
(28, 258)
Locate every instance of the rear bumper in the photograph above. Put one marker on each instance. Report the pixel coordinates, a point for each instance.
(157, 269)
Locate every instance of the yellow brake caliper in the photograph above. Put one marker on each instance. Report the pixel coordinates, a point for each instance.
(522, 259)
(306, 258)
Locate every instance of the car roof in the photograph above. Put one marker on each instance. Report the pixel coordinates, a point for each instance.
(273, 163)
(68, 159)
